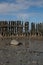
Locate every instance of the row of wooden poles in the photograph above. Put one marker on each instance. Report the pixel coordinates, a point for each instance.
(14, 28)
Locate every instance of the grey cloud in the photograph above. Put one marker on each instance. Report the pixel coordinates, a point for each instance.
(19, 5)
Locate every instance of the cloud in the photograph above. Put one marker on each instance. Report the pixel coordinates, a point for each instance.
(17, 5)
(11, 7)
(31, 2)
(29, 16)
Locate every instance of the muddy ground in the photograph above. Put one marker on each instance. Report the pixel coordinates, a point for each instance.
(29, 53)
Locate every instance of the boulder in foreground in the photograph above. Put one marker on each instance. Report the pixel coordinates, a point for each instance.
(14, 42)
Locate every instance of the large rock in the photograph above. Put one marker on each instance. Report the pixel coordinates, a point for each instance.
(14, 42)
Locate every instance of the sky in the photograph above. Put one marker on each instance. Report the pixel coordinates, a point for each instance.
(24, 10)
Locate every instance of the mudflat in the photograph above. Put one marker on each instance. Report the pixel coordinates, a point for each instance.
(29, 53)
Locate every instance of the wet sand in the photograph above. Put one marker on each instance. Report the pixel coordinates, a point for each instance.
(29, 53)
